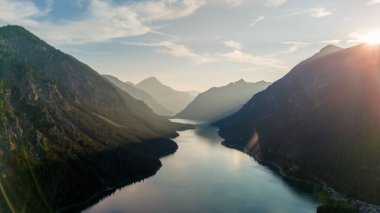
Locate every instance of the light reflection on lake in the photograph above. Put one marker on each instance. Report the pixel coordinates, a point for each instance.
(204, 176)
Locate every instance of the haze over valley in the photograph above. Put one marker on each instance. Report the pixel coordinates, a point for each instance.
(189, 106)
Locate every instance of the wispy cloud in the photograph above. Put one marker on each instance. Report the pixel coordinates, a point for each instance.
(166, 9)
(257, 20)
(372, 2)
(103, 21)
(332, 41)
(242, 57)
(237, 55)
(21, 12)
(233, 44)
(317, 12)
(231, 3)
(275, 3)
(294, 46)
(177, 50)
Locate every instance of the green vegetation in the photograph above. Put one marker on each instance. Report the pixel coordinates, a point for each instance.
(329, 205)
(65, 132)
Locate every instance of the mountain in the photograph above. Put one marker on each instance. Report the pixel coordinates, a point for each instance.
(329, 49)
(320, 121)
(220, 102)
(65, 132)
(193, 93)
(139, 95)
(173, 100)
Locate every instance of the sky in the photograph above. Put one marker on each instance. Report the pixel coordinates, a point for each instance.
(194, 44)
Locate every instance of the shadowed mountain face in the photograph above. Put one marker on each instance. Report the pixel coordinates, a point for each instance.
(321, 120)
(65, 132)
(219, 102)
(139, 94)
(173, 100)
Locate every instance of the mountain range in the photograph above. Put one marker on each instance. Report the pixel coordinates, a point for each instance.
(171, 99)
(139, 94)
(320, 122)
(66, 132)
(220, 102)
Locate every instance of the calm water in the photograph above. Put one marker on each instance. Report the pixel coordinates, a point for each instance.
(205, 176)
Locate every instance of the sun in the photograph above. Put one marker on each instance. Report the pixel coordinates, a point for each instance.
(372, 37)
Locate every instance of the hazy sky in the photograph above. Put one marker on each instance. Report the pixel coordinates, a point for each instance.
(194, 44)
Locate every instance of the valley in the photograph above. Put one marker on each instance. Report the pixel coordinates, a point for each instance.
(204, 176)
(189, 106)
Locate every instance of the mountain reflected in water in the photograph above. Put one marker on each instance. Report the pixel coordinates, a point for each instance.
(205, 176)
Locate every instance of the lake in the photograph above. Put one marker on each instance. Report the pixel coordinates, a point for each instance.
(205, 176)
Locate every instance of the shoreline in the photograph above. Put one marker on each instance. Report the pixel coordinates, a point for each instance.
(362, 206)
(98, 196)
(83, 205)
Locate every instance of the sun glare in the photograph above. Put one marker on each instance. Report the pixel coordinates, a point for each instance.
(370, 38)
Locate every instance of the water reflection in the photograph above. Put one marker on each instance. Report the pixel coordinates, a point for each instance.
(204, 176)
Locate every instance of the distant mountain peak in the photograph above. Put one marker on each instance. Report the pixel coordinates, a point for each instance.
(151, 80)
(329, 49)
(171, 99)
(220, 102)
(241, 81)
(139, 94)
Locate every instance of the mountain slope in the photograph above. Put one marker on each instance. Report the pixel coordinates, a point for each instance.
(219, 102)
(65, 132)
(173, 100)
(193, 93)
(321, 120)
(139, 94)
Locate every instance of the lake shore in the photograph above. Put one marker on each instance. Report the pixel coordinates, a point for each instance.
(334, 195)
(101, 194)
(201, 169)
